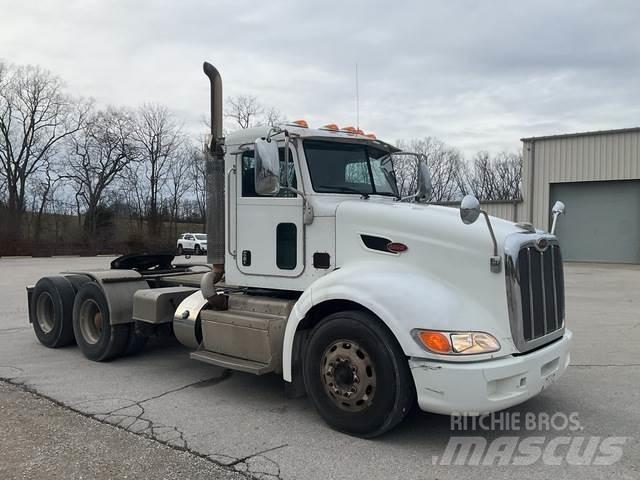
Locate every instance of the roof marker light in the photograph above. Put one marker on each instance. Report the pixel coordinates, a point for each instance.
(330, 126)
(372, 136)
(349, 130)
(359, 132)
(301, 123)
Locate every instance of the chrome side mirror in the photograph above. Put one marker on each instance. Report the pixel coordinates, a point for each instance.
(557, 210)
(424, 181)
(267, 167)
(469, 209)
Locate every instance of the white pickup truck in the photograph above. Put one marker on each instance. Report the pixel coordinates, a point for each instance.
(320, 273)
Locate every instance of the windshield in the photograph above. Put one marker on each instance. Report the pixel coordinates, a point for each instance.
(349, 168)
(200, 236)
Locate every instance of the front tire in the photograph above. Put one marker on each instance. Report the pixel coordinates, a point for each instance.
(180, 250)
(96, 337)
(198, 250)
(356, 375)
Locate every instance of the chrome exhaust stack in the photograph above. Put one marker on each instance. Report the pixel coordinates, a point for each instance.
(215, 176)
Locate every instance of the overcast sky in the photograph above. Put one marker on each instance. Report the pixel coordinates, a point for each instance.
(476, 74)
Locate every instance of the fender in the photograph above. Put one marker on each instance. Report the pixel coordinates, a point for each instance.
(118, 287)
(404, 298)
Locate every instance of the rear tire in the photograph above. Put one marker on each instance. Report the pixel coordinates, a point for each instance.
(96, 337)
(77, 280)
(356, 375)
(51, 311)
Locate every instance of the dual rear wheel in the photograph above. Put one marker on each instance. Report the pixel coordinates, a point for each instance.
(72, 308)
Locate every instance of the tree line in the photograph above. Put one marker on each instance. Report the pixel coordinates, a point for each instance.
(64, 155)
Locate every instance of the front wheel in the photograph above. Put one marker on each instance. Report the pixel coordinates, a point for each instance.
(356, 375)
(180, 250)
(198, 250)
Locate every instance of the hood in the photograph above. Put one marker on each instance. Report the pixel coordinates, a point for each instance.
(431, 227)
(441, 250)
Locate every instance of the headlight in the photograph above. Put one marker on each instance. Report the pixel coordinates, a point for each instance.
(457, 343)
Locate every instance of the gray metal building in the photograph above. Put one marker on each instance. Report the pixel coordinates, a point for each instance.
(597, 176)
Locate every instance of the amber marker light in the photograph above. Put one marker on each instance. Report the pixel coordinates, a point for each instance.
(301, 123)
(436, 342)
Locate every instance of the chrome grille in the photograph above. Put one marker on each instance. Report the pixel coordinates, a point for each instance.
(535, 289)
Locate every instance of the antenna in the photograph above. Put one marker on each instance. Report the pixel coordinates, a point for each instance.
(357, 100)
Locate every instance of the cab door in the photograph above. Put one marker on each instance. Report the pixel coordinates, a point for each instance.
(269, 229)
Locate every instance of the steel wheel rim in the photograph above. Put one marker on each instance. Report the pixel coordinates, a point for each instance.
(45, 312)
(90, 321)
(349, 375)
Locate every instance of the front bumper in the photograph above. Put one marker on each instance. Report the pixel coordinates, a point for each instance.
(483, 387)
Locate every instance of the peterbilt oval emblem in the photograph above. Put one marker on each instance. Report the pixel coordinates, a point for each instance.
(542, 244)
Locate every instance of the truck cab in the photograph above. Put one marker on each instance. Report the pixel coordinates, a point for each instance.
(321, 273)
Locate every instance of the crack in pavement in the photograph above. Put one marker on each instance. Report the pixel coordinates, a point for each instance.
(170, 436)
(208, 381)
(6, 331)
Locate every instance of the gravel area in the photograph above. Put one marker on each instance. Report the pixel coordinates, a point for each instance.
(40, 439)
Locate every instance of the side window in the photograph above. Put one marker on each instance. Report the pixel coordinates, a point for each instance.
(286, 248)
(383, 175)
(249, 172)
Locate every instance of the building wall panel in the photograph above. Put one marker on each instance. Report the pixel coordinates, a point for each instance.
(576, 158)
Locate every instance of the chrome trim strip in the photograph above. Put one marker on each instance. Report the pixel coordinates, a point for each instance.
(555, 292)
(544, 293)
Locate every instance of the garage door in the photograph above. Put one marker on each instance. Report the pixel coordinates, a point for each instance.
(602, 222)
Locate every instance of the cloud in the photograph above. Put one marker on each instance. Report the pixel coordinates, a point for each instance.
(479, 75)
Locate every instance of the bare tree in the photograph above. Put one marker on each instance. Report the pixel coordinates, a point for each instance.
(97, 156)
(198, 172)
(444, 164)
(178, 184)
(135, 192)
(273, 117)
(245, 110)
(159, 139)
(44, 185)
(35, 115)
(498, 178)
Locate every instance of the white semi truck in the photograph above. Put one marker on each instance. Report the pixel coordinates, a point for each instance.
(319, 272)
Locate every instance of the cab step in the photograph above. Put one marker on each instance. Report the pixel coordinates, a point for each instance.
(232, 363)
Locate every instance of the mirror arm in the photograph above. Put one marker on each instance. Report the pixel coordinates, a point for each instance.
(307, 208)
(553, 225)
(410, 197)
(286, 158)
(495, 262)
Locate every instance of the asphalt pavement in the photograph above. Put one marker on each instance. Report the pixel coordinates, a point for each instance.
(241, 423)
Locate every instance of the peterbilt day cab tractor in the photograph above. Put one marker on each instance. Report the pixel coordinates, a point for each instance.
(319, 272)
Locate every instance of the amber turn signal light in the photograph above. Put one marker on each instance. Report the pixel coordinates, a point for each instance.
(436, 342)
